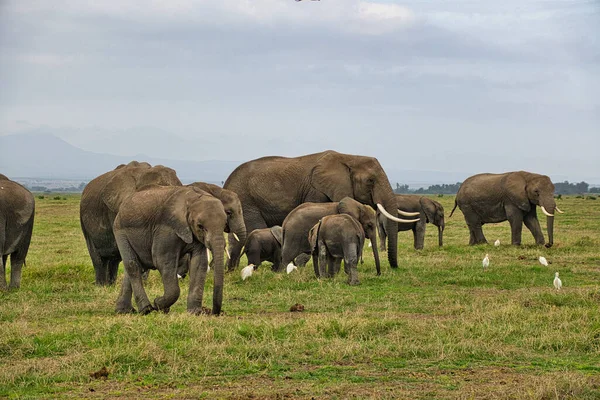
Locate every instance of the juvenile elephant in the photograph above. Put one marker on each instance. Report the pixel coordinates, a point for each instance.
(333, 239)
(302, 218)
(155, 229)
(17, 209)
(512, 196)
(271, 187)
(430, 212)
(100, 202)
(233, 208)
(264, 245)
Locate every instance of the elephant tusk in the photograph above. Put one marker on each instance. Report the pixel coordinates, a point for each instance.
(408, 214)
(546, 212)
(390, 216)
(208, 255)
(558, 209)
(227, 251)
(236, 237)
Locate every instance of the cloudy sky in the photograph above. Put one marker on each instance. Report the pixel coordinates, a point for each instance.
(469, 86)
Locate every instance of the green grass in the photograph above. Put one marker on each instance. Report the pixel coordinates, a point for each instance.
(437, 327)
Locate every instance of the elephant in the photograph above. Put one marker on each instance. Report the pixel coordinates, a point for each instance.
(302, 218)
(512, 196)
(264, 245)
(431, 212)
(270, 187)
(233, 208)
(159, 226)
(17, 210)
(333, 239)
(100, 202)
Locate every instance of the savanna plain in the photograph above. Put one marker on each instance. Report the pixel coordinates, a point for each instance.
(437, 327)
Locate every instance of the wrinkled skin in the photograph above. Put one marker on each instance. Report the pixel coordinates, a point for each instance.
(233, 209)
(271, 187)
(155, 229)
(333, 239)
(512, 196)
(430, 212)
(100, 202)
(264, 245)
(302, 218)
(17, 209)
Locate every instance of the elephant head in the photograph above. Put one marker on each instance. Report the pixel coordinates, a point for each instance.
(277, 233)
(203, 218)
(362, 178)
(434, 212)
(367, 218)
(130, 179)
(525, 189)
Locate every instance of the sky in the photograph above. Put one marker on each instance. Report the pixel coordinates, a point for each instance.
(438, 85)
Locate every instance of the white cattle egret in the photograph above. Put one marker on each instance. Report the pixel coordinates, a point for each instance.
(557, 282)
(247, 271)
(179, 276)
(290, 267)
(370, 244)
(497, 242)
(486, 261)
(543, 261)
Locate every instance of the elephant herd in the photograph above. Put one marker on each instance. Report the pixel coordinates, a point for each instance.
(276, 209)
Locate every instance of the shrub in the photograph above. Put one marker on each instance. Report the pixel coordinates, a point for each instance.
(579, 196)
(559, 197)
(591, 197)
(41, 197)
(56, 198)
(441, 195)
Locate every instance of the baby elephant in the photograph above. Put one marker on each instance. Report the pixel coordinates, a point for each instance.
(334, 238)
(264, 245)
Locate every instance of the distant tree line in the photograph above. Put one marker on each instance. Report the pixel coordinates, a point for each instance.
(68, 189)
(561, 188)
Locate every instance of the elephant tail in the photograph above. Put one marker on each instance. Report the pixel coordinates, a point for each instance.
(455, 204)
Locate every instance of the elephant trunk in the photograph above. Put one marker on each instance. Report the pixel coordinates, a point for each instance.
(235, 245)
(548, 207)
(550, 225)
(373, 238)
(217, 246)
(392, 231)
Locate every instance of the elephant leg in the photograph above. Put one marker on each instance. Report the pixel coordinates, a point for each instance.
(382, 237)
(323, 261)
(475, 227)
(419, 235)
(301, 260)
(3, 260)
(335, 264)
(124, 305)
(315, 257)
(113, 269)
(253, 220)
(198, 270)
(515, 219)
(351, 264)
(16, 266)
(98, 263)
(133, 268)
(171, 288)
(533, 224)
(277, 264)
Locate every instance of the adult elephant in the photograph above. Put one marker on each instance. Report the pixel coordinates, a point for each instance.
(302, 218)
(233, 208)
(270, 187)
(100, 202)
(512, 196)
(430, 212)
(17, 209)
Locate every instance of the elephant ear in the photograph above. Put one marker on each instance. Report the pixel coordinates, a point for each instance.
(515, 188)
(349, 206)
(120, 187)
(331, 176)
(177, 214)
(428, 208)
(313, 236)
(276, 231)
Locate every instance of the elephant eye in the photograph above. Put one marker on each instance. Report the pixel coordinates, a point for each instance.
(229, 213)
(371, 181)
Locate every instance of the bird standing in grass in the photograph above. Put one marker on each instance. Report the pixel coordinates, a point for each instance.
(497, 242)
(290, 267)
(557, 282)
(247, 271)
(543, 261)
(486, 261)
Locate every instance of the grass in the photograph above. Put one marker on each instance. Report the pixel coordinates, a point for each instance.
(437, 327)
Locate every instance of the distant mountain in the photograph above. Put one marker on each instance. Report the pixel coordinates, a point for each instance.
(49, 157)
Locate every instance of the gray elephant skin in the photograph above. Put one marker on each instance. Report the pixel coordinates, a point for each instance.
(100, 202)
(512, 196)
(233, 209)
(17, 209)
(430, 212)
(333, 239)
(302, 218)
(271, 187)
(159, 226)
(264, 245)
